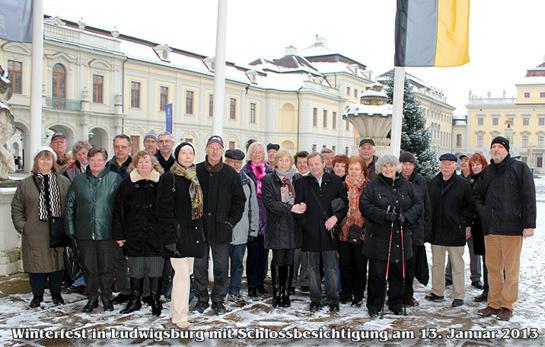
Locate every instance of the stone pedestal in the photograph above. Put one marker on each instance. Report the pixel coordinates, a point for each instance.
(10, 239)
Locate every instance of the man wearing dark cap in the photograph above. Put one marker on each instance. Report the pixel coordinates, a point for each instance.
(150, 141)
(247, 226)
(272, 148)
(451, 215)
(59, 145)
(420, 228)
(367, 152)
(505, 198)
(223, 208)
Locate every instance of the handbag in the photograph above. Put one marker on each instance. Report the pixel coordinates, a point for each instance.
(57, 234)
(355, 234)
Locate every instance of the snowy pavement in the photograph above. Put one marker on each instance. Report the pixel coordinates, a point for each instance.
(253, 323)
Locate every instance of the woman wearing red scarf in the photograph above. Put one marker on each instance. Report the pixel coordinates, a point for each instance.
(256, 262)
(352, 262)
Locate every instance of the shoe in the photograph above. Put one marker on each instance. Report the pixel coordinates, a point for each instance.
(314, 306)
(488, 311)
(155, 285)
(76, 289)
(505, 314)
(448, 282)
(292, 290)
(433, 297)
(57, 298)
(90, 306)
(36, 300)
(237, 299)
(356, 303)
(410, 301)
(305, 289)
(345, 300)
(261, 289)
(252, 292)
(108, 306)
(481, 298)
(396, 310)
(147, 300)
(457, 302)
(334, 308)
(200, 307)
(121, 298)
(477, 284)
(134, 303)
(373, 314)
(183, 324)
(219, 308)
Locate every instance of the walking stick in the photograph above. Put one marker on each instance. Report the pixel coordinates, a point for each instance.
(403, 267)
(387, 264)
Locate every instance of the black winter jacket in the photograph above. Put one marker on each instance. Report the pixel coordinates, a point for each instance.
(452, 210)
(135, 217)
(423, 224)
(315, 236)
(174, 215)
(505, 197)
(381, 195)
(476, 225)
(224, 201)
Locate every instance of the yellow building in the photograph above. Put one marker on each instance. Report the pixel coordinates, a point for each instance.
(520, 118)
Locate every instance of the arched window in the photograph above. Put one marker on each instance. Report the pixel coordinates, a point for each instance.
(59, 81)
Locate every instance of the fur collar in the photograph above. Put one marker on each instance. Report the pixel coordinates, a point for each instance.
(135, 176)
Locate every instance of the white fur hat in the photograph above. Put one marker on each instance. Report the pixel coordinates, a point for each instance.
(48, 149)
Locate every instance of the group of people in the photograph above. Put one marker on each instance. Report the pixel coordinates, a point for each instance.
(146, 225)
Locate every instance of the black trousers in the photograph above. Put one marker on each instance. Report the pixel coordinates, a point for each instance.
(97, 259)
(37, 281)
(256, 262)
(220, 261)
(121, 271)
(410, 266)
(353, 265)
(376, 289)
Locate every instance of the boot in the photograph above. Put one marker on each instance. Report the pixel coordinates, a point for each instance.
(275, 274)
(155, 293)
(92, 303)
(134, 304)
(286, 288)
(36, 300)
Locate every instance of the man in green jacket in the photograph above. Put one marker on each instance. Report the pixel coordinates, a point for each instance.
(89, 209)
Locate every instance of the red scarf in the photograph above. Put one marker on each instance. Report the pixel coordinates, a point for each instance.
(259, 171)
(354, 186)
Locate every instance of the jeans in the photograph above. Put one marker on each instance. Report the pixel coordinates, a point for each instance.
(330, 264)
(300, 269)
(236, 253)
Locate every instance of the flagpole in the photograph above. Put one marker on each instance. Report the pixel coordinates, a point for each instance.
(219, 69)
(37, 76)
(397, 115)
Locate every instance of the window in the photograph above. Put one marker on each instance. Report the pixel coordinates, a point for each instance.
(539, 161)
(355, 93)
(211, 105)
(15, 70)
(480, 121)
(347, 125)
(333, 148)
(526, 95)
(232, 145)
(541, 141)
(98, 89)
(188, 102)
(334, 120)
(252, 112)
(324, 122)
(348, 91)
(495, 121)
(314, 147)
(163, 98)
(233, 108)
(135, 94)
(346, 150)
(542, 94)
(524, 159)
(324, 146)
(524, 141)
(315, 117)
(526, 121)
(479, 140)
(59, 81)
(541, 121)
(135, 144)
(458, 140)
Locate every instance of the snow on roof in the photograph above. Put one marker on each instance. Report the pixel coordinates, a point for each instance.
(372, 110)
(532, 80)
(371, 92)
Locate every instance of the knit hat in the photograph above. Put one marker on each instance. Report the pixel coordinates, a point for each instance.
(407, 157)
(448, 156)
(502, 141)
(47, 149)
(179, 147)
(151, 135)
(369, 141)
(215, 139)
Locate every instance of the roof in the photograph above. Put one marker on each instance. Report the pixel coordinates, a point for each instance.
(371, 110)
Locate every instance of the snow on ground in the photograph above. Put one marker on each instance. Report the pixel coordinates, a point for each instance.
(258, 318)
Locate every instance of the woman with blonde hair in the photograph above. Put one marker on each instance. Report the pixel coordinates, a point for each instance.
(39, 198)
(136, 229)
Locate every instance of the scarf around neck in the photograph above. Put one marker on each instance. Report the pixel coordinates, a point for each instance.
(212, 168)
(50, 196)
(287, 192)
(259, 170)
(195, 191)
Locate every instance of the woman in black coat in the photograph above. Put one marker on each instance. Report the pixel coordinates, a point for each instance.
(136, 230)
(388, 204)
(180, 211)
(281, 233)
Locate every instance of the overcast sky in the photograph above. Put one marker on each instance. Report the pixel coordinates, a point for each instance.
(506, 37)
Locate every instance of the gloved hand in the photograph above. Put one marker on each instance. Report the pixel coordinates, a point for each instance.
(171, 247)
(391, 217)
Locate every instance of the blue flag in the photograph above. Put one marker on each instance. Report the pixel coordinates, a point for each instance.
(168, 115)
(16, 20)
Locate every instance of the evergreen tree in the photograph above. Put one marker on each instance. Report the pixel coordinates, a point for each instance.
(415, 138)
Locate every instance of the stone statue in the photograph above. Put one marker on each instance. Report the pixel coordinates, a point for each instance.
(7, 125)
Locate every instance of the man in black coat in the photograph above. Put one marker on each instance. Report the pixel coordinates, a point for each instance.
(317, 191)
(224, 201)
(505, 197)
(452, 213)
(164, 154)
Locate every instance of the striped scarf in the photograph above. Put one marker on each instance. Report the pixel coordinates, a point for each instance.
(50, 196)
(195, 190)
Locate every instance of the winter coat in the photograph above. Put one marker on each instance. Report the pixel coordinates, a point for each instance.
(90, 204)
(505, 197)
(262, 211)
(452, 210)
(135, 217)
(371, 171)
(165, 164)
(73, 170)
(423, 224)
(315, 236)
(281, 231)
(119, 169)
(381, 195)
(174, 214)
(249, 223)
(476, 224)
(223, 203)
(38, 257)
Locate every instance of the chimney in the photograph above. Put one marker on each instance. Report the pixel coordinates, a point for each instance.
(319, 40)
(291, 50)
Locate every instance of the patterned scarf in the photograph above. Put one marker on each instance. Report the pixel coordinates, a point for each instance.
(354, 186)
(195, 191)
(287, 192)
(259, 171)
(50, 196)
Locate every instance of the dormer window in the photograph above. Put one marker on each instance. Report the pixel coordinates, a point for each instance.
(252, 76)
(210, 63)
(163, 51)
